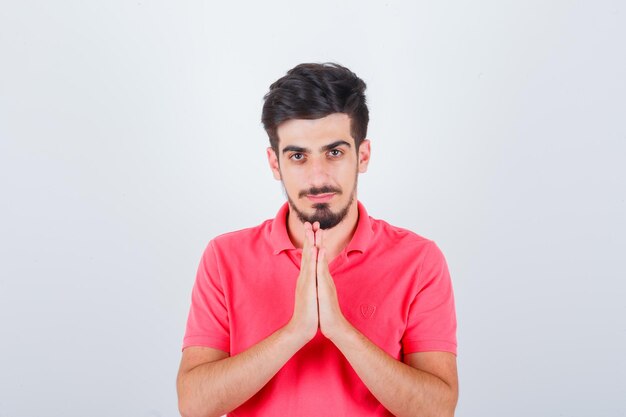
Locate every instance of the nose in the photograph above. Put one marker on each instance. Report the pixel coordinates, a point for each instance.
(318, 172)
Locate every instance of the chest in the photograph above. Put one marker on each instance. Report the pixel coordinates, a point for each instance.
(374, 298)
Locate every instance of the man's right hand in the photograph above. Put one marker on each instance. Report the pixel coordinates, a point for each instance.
(213, 383)
(305, 319)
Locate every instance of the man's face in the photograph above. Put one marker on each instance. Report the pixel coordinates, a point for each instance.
(318, 165)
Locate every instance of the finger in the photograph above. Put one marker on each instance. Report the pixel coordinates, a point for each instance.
(315, 227)
(309, 237)
(307, 228)
(319, 238)
(312, 261)
(306, 245)
(322, 266)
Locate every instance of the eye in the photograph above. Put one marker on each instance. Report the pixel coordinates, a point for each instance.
(335, 153)
(297, 157)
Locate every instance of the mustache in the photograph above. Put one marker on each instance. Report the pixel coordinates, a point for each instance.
(319, 190)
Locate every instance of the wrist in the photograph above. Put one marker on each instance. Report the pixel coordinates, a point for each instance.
(296, 335)
(341, 331)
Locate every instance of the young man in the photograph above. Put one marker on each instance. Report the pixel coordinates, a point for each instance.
(324, 310)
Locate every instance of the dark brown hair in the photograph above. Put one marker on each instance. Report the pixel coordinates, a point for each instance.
(313, 91)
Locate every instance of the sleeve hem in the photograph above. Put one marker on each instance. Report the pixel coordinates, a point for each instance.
(206, 342)
(412, 346)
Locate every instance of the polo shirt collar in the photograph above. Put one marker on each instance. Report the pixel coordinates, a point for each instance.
(281, 242)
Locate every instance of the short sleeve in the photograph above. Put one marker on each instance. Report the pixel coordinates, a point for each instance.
(207, 323)
(431, 324)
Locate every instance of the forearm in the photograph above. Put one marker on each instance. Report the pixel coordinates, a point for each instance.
(215, 388)
(400, 388)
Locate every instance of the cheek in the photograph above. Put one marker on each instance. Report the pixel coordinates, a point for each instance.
(291, 182)
(348, 173)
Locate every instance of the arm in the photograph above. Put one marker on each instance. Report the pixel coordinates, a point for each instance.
(210, 383)
(426, 385)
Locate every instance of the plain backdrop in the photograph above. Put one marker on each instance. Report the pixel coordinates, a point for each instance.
(130, 136)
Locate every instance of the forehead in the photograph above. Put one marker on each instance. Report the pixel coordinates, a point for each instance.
(315, 132)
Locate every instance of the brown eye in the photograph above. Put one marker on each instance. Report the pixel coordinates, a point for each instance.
(335, 153)
(297, 157)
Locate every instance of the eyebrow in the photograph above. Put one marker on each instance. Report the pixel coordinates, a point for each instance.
(292, 148)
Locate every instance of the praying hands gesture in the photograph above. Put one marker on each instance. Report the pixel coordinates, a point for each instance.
(212, 383)
(316, 305)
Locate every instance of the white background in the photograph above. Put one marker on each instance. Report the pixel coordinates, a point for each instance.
(130, 135)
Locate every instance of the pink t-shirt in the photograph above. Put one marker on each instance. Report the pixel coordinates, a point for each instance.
(393, 286)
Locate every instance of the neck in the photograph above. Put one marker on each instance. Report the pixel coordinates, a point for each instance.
(335, 239)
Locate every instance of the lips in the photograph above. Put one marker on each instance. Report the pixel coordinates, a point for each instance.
(320, 198)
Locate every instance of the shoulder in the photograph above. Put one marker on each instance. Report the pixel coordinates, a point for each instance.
(385, 232)
(243, 234)
(401, 243)
(242, 240)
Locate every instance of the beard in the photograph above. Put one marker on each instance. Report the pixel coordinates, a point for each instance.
(323, 214)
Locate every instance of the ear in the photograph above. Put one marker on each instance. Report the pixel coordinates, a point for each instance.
(273, 161)
(364, 155)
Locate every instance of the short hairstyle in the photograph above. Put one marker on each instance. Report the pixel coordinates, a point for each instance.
(313, 91)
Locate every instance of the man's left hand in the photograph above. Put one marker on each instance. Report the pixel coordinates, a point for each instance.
(331, 320)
